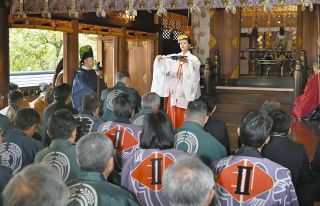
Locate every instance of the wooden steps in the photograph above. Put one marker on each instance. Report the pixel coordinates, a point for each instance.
(234, 103)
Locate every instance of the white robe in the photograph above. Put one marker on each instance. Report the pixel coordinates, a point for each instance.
(166, 83)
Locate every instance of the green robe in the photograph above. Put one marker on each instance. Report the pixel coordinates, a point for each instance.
(192, 138)
(108, 96)
(91, 188)
(139, 117)
(5, 123)
(61, 154)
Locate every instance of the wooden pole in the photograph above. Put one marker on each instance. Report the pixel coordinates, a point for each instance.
(298, 75)
(4, 56)
(70, 53)
(123, 52)
(207, 76)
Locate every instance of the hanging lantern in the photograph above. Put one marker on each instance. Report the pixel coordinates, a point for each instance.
(100, 12)
(72, 10)
(230, 8)
(45, 12)
(173, 4)
(142, 5)
(131, 12)
(306, 4)
(207, 3)
(20, 11)
(267, 7)
(162, 10)
(195, 8)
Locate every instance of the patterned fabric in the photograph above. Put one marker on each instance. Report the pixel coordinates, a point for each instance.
(309, 100)
(142, 174)
(248, 180)
(125, 138)
(139, 118)
(192, 138)
(92, 189)
(108, 96)
(120, 5)
(86, 124)
(84, 83)
(18, 150)
(177, 80)
(60, 155)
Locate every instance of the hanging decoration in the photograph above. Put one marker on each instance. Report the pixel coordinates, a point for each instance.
(207, 3)
(230, 8)
(72, 11)
(162, 10)
(306, 3)
(131, 12)
(20, 12)
(100, 12)
(46, 13)
(21, 7)
(267, 7)
(195, 9)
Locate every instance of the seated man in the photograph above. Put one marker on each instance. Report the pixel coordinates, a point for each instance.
(61, 154)
(142, 173)
(124, 135)
(122, 86)
(87, 120)
(189, 182)
(44, 99)
(270, 105)
(192, 138)
(289, 154)
(5, 173)
(214, 126)
(36, 185)
(19, 148)
(247, 178)
(62, 100)
(95, 159)
(5, 123)
(150, 103)
(15, 102)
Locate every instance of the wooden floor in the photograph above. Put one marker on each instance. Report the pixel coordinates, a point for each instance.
(308, 134)
(233, 103)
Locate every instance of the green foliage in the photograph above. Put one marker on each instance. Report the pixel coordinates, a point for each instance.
(34, 50)
(40, 50)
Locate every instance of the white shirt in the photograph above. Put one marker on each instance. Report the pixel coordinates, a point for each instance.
(166, 83)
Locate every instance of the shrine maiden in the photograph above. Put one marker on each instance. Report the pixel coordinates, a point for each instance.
(177, 76)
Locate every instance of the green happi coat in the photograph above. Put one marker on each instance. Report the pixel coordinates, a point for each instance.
(139, 117)
(91, 188)
(61, 154)
(192, 138)
(108, 96)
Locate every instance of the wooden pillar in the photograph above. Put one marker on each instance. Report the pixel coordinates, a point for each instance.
(225, 36)
(70, 53)
(4, 56)
(123, 52)
(308, 29)
(298, 79)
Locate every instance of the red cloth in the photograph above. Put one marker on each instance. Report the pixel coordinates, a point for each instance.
(309, 100)
(176, 114)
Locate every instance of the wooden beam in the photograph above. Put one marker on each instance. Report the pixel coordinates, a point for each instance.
(70, 53)
(4, 57)
(123, 52)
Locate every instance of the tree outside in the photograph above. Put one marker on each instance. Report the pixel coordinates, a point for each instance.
(39, 50)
